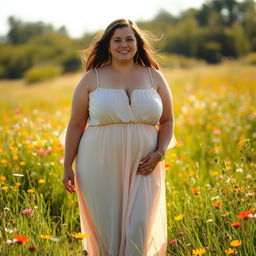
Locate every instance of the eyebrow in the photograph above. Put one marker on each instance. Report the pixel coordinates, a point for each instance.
(120, 37)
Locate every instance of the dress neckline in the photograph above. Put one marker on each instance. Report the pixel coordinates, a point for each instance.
(129, 97)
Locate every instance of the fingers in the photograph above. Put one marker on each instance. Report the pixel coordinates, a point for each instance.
(69, 187)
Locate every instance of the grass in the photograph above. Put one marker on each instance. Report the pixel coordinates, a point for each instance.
(210, 174)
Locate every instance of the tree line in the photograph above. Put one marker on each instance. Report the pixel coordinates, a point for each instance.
(218, 29)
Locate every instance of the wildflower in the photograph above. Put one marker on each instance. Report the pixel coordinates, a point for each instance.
(18, 174)
(243, 215)
(252, 216)
(41, 181)
(198, 252)
(217, 131)
(195, 191)
(55, 239)
(15, 158)
(4, 161)
(174, 241)
(179, 217)
(3, 178)
(27, 211)
(32, 248)
(4, 188)
(236, 243)
(236, 224)
(169, 204)
(80, 235)
(167, 165)
(46, 237)
(31, 190)
(230, 251)
(217, 204)
(225, 214)
(21, 239)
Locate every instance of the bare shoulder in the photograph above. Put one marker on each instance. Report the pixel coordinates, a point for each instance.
(159, 79)
(88, 82)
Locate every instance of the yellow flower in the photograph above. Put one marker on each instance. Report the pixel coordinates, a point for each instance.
(228, 167)
(30, 190)
(230, 251)
(236, 243)
(14, 149)
(214, 173)
(198, 252)
(225, 214)
(4, 188)
(41, 181)
(18, 184)
(46, 237)
(15, 158)
(3, 178)
(22, 163)
(169, 204)
(80, 235)
(4, 161)
(179, 217)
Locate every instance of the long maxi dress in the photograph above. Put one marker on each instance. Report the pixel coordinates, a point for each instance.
(123, 213)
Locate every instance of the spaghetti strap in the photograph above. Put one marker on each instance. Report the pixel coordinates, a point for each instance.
(97, 77)
(151, 78)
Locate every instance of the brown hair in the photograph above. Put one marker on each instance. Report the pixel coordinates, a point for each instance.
(97, 54)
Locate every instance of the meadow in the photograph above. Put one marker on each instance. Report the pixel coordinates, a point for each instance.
(210, 174)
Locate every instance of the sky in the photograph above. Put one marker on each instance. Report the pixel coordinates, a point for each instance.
(81, 16)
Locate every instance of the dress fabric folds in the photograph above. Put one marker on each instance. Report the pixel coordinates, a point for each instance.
(123, 213)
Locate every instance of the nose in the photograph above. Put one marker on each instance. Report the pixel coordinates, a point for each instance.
(123, 43)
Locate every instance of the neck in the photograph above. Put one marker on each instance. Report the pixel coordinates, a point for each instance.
(123, 67)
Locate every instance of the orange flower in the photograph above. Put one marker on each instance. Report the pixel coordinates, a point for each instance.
(21, 239)
(236, 224)
(217, 204)
(195, 191)
(243, 215)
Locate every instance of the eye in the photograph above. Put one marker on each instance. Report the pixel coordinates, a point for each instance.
(130, 39)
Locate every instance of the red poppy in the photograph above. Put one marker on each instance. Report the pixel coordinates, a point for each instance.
(195, 191)
(236, 224)
(243, 215)
(21, 239)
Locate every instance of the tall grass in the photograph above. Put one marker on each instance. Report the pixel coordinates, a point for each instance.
(210, 174)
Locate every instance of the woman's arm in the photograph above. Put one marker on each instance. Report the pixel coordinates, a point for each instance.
(76, 125)
(166, 123)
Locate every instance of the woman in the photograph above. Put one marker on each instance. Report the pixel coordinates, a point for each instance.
(121, 124)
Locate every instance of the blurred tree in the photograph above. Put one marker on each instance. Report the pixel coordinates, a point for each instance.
(21, 32)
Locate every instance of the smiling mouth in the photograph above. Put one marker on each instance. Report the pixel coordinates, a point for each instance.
(124, 51)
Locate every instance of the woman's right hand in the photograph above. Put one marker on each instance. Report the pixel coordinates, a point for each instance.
(68, 180)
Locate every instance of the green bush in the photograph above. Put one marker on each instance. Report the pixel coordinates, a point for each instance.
(40, 73)
(252, 58)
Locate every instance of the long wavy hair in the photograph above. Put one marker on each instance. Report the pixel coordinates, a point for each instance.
(97, 55)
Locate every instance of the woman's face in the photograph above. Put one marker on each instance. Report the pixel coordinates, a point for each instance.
(123, 44)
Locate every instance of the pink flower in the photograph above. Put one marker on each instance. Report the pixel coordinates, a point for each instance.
(45, 152)
(174, 241)
(217, 131)
(27, 211)
(252, 216)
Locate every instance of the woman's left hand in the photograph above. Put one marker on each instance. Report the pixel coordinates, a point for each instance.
(148, 163)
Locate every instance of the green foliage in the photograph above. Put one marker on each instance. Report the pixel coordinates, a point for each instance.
(218, 30)
(41, 73)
